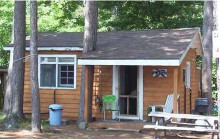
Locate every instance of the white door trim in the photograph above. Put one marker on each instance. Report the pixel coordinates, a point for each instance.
(115, 86)
(115, 92)
(141, 92)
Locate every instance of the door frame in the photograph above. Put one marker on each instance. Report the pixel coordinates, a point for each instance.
(115, 91)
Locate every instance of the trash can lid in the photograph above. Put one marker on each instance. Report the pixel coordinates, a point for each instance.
(56, 106)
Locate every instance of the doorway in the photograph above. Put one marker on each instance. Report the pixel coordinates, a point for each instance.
(128, 90)
(116, 83)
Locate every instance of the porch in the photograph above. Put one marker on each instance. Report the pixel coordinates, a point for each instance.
(127, 125)
(142, 72)
(110, 80)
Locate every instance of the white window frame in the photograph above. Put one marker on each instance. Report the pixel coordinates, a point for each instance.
(57, 70)
(188, 70)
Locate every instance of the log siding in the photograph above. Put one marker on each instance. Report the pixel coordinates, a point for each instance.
(155, 89)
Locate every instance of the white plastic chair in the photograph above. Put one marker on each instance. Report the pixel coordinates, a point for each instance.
(167, 107)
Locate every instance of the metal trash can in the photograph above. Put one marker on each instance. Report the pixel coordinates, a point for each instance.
(55, 114)
(201, 105)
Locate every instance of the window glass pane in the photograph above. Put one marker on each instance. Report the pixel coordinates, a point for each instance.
(63, 68)
(63, 74)
(64, 81)
(66, 76)
(188, 74)
(70, 74)
(66, 59)
(70, 68)
(70, 81)
(47, 59)
(47, 75)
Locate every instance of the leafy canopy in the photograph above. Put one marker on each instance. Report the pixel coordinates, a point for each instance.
(67, 16)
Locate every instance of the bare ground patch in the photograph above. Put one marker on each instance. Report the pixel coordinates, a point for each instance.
(71, 131)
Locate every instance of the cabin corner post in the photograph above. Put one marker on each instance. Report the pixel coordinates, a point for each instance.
(86, 112)
(90, 90)
(175, 90)
(89, 74)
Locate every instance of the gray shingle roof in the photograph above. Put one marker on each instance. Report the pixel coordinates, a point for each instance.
(149, 44)
(146, 44)
(57, 39)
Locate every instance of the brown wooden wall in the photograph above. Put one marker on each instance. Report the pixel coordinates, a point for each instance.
(102, 86)
(155, 89)
(194, 82)
(69, 98)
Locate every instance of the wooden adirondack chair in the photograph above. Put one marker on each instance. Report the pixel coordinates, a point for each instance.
(167, 107)
(110, 104)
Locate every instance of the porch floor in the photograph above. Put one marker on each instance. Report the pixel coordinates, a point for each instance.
(135, 125)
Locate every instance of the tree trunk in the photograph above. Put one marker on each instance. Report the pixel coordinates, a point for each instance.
(91, 23)
(15, 87)
(207, 49)
(7, 96)
(19, 53)
(90, 38)
(35, 96)
(216, 13)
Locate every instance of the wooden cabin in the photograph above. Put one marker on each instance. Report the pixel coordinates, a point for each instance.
(140, 67)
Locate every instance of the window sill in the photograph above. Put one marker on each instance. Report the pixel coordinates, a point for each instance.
(57, 88)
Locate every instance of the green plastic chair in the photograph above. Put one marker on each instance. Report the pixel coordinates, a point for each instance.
(110, 104)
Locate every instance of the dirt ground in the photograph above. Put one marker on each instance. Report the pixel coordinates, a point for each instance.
(71, 131)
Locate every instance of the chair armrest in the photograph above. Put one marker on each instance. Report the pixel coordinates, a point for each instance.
(153, 107)
(157, 106)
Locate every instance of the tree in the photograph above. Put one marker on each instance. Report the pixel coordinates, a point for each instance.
(137, 15)
(90, 38)
(216, 12)
(15, 86)
(207, 51)
(35, 96)
(19, 53)
(68, 16)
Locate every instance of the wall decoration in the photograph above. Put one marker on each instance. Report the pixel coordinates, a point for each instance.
(159, 72)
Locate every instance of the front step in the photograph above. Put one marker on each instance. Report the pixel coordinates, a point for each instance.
(111, 124)
(124, 129)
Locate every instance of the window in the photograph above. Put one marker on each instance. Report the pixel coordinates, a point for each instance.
(57, 71)
(184, 75)
(187, 75)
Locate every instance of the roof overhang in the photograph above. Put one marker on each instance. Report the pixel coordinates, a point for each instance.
(51, 48)
(168, 62)
(196, 43)
(3, 70)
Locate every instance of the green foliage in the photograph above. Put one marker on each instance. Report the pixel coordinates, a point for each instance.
(214, 76)
(2, 116)
(67, 16)
(6, 12)
(146, 15)
(60, 16)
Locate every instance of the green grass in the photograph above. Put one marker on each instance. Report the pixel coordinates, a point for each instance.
(45, 124)
(26, 124)
(214, 113)
(2, 116)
